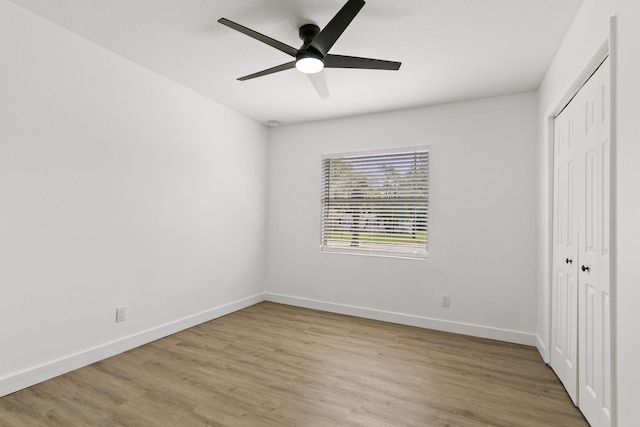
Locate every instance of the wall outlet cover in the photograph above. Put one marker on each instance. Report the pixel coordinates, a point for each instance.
(446, 301)
(121, 314)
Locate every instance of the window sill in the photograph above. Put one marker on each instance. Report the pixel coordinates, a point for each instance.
(375, 253)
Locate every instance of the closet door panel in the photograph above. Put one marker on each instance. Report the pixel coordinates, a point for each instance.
(594, 337)
(564, 288)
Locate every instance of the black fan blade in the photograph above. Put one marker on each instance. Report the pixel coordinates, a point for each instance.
(287, 66)
(334, 29)
(319, 82)
(341, 61)
(260, 37)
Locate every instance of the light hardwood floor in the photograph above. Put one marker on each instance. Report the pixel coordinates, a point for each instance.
(277, 365)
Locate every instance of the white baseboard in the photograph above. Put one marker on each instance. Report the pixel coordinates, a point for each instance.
(407, 319)
(37, 374)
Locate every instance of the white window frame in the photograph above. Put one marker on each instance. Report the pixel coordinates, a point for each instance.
(422, 253)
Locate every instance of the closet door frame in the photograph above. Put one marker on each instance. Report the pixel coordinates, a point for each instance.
(607, 49)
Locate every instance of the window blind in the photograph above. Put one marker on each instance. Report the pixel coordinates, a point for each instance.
(376, 204)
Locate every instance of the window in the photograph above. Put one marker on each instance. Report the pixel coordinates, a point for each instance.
(376, 203)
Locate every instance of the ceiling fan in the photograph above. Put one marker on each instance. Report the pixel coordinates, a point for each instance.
(314, 54)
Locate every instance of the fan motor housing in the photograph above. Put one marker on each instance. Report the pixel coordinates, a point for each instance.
(308, 32)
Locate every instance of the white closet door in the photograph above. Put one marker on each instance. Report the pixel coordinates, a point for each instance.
(581, 316)
(564, 322)
(594, 352)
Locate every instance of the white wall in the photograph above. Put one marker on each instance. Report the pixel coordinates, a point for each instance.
(589, 31)
(117, 188)
(482, 220)
(628, 215)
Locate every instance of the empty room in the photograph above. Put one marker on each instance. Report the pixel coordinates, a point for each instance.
(319, 213)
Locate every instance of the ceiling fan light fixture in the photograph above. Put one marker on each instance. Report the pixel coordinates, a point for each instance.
(309, 65)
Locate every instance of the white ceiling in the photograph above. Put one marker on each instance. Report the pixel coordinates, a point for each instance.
(451, 50)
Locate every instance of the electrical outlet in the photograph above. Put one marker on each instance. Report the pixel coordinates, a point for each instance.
(446, 301)
(121, 314)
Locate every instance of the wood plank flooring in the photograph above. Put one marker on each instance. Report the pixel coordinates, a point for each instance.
(277, 365)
